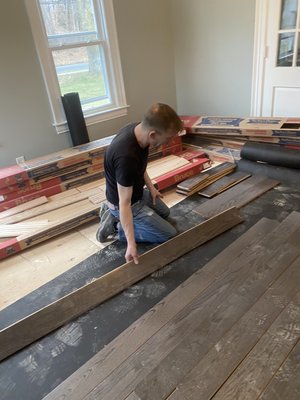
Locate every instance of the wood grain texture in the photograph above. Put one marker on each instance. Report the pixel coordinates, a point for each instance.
(22, 207)
(27, 227)
(152, 359)
(223, 184)
(224, 357)
(286, 382)
(53, 205)
(254, 373)
(238, 196)
(103, 363)
(56, 314)
(229, 299)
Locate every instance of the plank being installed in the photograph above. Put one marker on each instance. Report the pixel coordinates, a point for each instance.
(38, 324)
(103, 363)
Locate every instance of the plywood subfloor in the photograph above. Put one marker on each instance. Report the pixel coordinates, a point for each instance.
(21, 274)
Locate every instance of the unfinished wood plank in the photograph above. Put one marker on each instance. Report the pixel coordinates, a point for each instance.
(103, 363)
(223, 184)
(56, 314)
(53, 205)
(238, 196)
(165, 165)
(254, 373)
(23, 207)
(226, 304)
(95, 184)
(286, 382)
(27, 227)
(64, 194)
(223, 358)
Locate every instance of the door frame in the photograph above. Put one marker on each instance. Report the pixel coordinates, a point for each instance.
(260, 53)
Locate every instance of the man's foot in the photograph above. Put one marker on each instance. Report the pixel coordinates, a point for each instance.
(107, 224)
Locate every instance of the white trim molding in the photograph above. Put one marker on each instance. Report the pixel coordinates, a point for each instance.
(107, 27)
(259, 55)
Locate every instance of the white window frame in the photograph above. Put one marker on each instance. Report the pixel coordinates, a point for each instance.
(118, 107)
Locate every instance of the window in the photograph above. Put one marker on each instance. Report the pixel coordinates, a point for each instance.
(77, 46)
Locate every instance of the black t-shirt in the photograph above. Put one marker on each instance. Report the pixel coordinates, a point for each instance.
(125, 163)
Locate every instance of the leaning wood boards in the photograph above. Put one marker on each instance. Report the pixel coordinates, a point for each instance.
(38, 324)
(193, 185)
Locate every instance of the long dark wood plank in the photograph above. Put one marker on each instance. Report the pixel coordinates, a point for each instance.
(238, 196)
(224, 183)
(286, 383)
(72, 305)
(256, 370)
(205, 320)
(103, 363)
(214, 322)
(223, 358)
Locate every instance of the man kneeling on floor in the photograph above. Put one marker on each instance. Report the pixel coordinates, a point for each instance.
(134, 213)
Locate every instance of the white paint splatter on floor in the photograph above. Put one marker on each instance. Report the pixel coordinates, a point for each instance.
(70, 334)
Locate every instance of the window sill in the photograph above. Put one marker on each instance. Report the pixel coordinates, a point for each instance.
(93, 119)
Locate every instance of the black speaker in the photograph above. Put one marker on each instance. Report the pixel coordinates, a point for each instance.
(75, 118)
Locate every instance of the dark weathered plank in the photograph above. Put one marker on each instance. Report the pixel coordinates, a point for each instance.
(155, 368)
(103, 363)
(286, 382)
(224, 183)
(56, 314)
(214, 322)
(256, 370)
(222, 359)
(238, 196)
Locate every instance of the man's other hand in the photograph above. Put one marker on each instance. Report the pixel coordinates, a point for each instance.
(131, 254)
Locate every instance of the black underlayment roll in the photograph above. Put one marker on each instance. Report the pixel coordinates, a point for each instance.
(75, 118)
(271, 154)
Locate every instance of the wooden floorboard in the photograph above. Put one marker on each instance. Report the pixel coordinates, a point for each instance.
(224, 183)
(224, 357)
(103, 363)
(256, 370)
(286, 382)
(238, 196)
(227, 296)
(56, 314)
(228, 302)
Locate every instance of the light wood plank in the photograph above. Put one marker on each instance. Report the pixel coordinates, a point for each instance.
(56, 314)
(22, 207)
(164, 165)
(103, 363)
(53, 205)
(27, 227)
(62, 195)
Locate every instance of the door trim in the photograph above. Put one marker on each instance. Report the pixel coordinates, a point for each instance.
(259, 55)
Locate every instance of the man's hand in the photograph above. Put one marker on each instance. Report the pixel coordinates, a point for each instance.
(131, 254)
(155, 193)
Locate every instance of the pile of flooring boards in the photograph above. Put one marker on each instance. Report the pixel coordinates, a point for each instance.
(223, 137)
(212, 181)
(44, 197)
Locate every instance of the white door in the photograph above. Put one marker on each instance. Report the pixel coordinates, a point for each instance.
(280, 69)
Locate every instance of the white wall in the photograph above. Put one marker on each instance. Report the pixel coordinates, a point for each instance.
(213, 42)
(144, 31)
(199, 49)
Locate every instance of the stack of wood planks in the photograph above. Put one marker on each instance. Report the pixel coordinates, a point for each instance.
(204, 179)
(217, 133)
(45, 216)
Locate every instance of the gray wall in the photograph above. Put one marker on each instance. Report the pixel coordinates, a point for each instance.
(199, 49)
(213, 42)
(144, 30)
